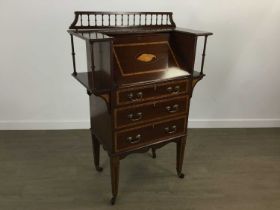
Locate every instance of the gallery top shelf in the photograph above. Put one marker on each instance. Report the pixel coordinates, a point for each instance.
(101, 20)
(91, 25)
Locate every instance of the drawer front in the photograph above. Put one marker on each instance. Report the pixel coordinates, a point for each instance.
(173, 88)
(135, 95)
(133, 138)
(141, 136)
(141, 94)
(151, 111)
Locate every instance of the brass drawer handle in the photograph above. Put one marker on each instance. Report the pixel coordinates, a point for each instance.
(134, 140)
(172, 109)
(171, 129)
(174, 90)
(135, 117)
(136, 97)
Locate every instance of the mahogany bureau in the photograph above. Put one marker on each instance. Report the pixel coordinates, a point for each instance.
(140, 78)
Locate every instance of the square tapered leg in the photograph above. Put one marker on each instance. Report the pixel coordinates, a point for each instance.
(96, 152)
(180, 156)
(115, 164)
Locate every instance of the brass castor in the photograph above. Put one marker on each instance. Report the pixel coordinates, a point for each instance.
(181, 175)
(98, 168)
(113, 200)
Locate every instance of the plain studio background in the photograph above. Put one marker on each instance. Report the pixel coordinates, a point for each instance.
(241, 88)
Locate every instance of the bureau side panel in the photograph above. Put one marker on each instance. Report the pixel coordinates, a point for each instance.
(100, 121)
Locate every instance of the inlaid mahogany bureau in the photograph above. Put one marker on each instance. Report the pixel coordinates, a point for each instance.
(140, 78)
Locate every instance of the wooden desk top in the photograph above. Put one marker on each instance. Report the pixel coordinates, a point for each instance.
(159, 76)
(102, 80)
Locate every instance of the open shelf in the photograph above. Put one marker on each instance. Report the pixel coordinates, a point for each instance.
(102, 80)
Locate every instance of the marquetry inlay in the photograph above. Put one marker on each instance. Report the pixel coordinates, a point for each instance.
(145, 57)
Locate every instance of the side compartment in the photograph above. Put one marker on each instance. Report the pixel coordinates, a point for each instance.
(184, 46)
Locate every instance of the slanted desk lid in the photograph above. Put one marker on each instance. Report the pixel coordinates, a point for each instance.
(142, 58)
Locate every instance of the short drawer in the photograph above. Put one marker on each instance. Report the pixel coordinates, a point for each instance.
(172, 88)
(155, 91)
(134, 95)
(144, 113)
(141, 136)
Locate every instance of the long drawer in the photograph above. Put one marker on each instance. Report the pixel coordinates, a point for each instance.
(140, 136)
(132, 115)
(155, 91)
